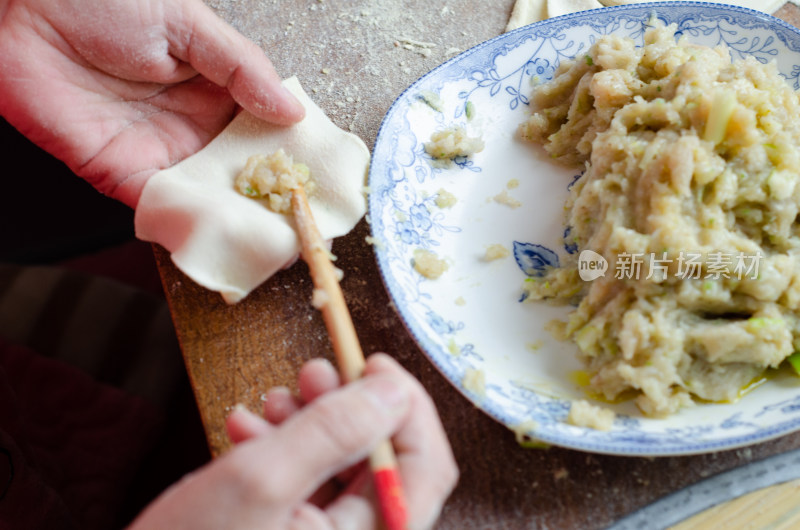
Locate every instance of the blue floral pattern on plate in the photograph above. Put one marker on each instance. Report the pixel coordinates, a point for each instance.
(470, 318)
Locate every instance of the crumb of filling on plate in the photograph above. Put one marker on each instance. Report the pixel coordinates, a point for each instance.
(431, 99)
(496, 251)
(534, 346)
(585, 414)
(445, 199)
(691, 164)
(428, 264)
(521, 433)
(451, 143)
(504, 198)
(453, 348)
(273, 177)
(474, 380)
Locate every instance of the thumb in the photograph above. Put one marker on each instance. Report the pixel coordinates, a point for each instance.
(226, 57)
(338, 430)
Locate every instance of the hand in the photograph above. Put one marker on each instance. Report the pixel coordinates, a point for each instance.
(119, 89)
(304, 466)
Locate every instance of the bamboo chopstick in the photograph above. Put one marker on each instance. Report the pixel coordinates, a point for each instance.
(349, 354)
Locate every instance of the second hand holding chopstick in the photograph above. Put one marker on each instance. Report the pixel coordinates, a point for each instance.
(349, 354)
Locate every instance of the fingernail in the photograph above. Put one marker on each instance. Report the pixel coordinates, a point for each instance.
(291, 103)
(387, 394)
(322, 361)
(275, 390)
(240, 407)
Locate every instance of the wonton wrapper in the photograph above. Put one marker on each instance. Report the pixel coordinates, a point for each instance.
(529, 11)
(230, 243)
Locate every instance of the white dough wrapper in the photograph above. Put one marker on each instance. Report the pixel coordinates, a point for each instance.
(527, 12)
(230, 243)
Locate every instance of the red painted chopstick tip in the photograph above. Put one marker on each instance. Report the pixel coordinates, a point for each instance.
(391, 499)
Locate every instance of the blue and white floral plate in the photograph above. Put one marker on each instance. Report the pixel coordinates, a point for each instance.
(470, 322)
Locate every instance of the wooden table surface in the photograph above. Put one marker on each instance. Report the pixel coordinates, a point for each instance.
(350, 58)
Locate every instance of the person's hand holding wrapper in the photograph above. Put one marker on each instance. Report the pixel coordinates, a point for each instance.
(121, 89)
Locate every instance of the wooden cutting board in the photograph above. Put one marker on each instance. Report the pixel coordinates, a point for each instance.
(775, 507)
(759, 495)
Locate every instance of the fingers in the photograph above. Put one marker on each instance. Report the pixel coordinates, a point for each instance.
(352, 511)
(242, 425)
(339, 426)
(427, 465)
(317, 377)
(333, 432)
(220, 53)
(279, 405)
